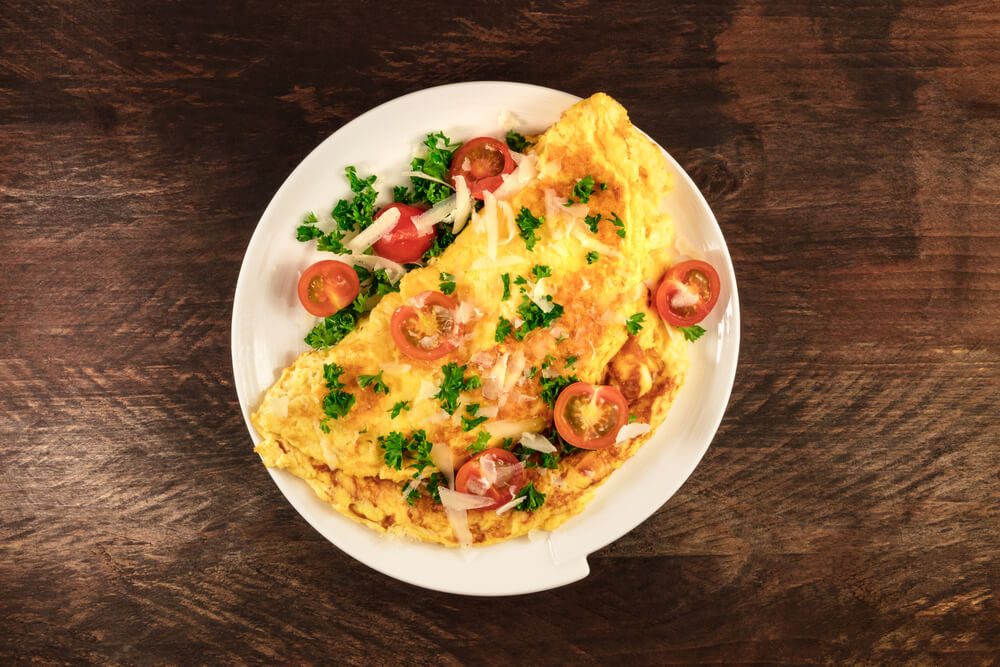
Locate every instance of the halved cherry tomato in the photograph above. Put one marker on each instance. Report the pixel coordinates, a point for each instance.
(405, 243)
(327, 286)
(482, 162)
(494, 473)
(589, 416)
(426, 328)
(687, 293)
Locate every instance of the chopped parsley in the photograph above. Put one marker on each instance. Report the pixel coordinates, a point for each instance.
(592, 257)
(402, 194)
(692, 333)
(357, 213)
(376, 382)
(592, 221)
(570, 360)
(376, 283)
(433, 484)
(398, 408)
(435, 163)
(396, 447)
(482, 439)
(553, 386)
(541, 271)
(504, 329)
(308, 230)
(528, 223)
(517, 142)
(472, 421)
(619, 223)
(535, 498)
(534, 317)
(331, 330)
(634, 324)
(582, 190)
(453, 384)
(447, 283)
(444, 237)
(506, 286)
(631, 418)
(336, 403)
(547, 361)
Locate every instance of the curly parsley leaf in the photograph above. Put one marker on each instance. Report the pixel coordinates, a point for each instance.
(472, 421)
(453, 384)
(336, 403)
(527, 224)
(506, 287)
(398, 408)
(447, 283)
(592, 221)
(479, 445)
(619, 223)
(443, 238)
(535, 498)
(634, 323)
(331, 330)
(357, 213)
(534, 317)
(541, 271)
(592, 257)
(504, 329)
(570, 360)
(435, 163)
(402, 194)
(517, 142)
(376, 382)
(582, 190)
(553, 386)
(692, 333)
(433, 484)
(397, 447)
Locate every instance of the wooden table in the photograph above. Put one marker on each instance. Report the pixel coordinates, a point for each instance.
(849, 507)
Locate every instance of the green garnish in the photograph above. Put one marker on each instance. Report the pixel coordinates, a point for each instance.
(435, 163)
(570, 360)
(592, 221)
(447, 283)
(547, 361)
(482, 439)
(535, 498)
(398, 408)
(692, 333)
(506, 286)
(534, 317)
(402, 194)
(582, 190)
(517, 142)
(472, 421)
(553, 386)
(433, 484)
(336, 403)
(453, 384)
(528, 223)
(444, 237)
(634, 324)
(331, 330)
(396, 447)
(504, 329)
(631, 418)
(592, 257)
(378, 385)
(619, 223)
(541, 271)
(357, 213)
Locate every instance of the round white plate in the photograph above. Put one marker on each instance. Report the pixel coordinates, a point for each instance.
(269, 324)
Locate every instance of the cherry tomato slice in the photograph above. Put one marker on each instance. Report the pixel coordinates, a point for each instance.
(482, 161)
(590, 416)
(405, 243)
(327, 286)
(687, 293)
(426, 328)
(494, 473)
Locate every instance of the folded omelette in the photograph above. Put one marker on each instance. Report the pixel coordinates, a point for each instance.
(599, 274)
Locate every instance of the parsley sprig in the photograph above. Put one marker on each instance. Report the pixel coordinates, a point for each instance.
(453, 384)
(517, 142)
(398, 408)
(337, 403)
(582, 190)
(692, 333)
(534, 498)
(634, 323)
(376, 382)
(534, 317)
(527, 224)
(447, 283)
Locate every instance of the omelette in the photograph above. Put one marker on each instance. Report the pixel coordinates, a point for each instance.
(553, 280)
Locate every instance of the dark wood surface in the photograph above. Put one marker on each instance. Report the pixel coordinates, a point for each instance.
(849, 507)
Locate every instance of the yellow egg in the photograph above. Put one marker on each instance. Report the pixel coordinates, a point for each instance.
(345, 466)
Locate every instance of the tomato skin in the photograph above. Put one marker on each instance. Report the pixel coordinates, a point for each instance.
(694, 273)
(431, 300)
(606, 395)
(404, 243)
(472, 470)
(488, 161)
(326, 287)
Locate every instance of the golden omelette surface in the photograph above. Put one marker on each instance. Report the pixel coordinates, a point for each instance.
(345, 467)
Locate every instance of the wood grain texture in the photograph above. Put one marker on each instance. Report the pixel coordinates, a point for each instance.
(849, 508)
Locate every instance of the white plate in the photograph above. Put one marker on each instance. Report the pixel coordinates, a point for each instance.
(269, 324)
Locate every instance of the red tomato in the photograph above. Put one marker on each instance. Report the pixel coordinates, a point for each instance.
(590, 416)
(687, 293)
(404, 243)
(494, 473)
(482, 162)
(327, 286)
(427, 329)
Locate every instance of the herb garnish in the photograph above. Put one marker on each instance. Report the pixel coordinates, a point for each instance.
(570, 360)
(378, 385)
(517, 142)
(619, 223)
(592, 257)
(472, 421)
(535, 498)
(582, 190)
(357, 213)
(528, 223)
(506, 286)
(592, 221)
(692, 333)
(399, 407)
(534, 317)
(454, 383)
(541, 271)
(435, 163)
(504, 329)
(553, 386)
(482, 439)
(336, 403)
(634, 323)
(447, 283)
(396, 447)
